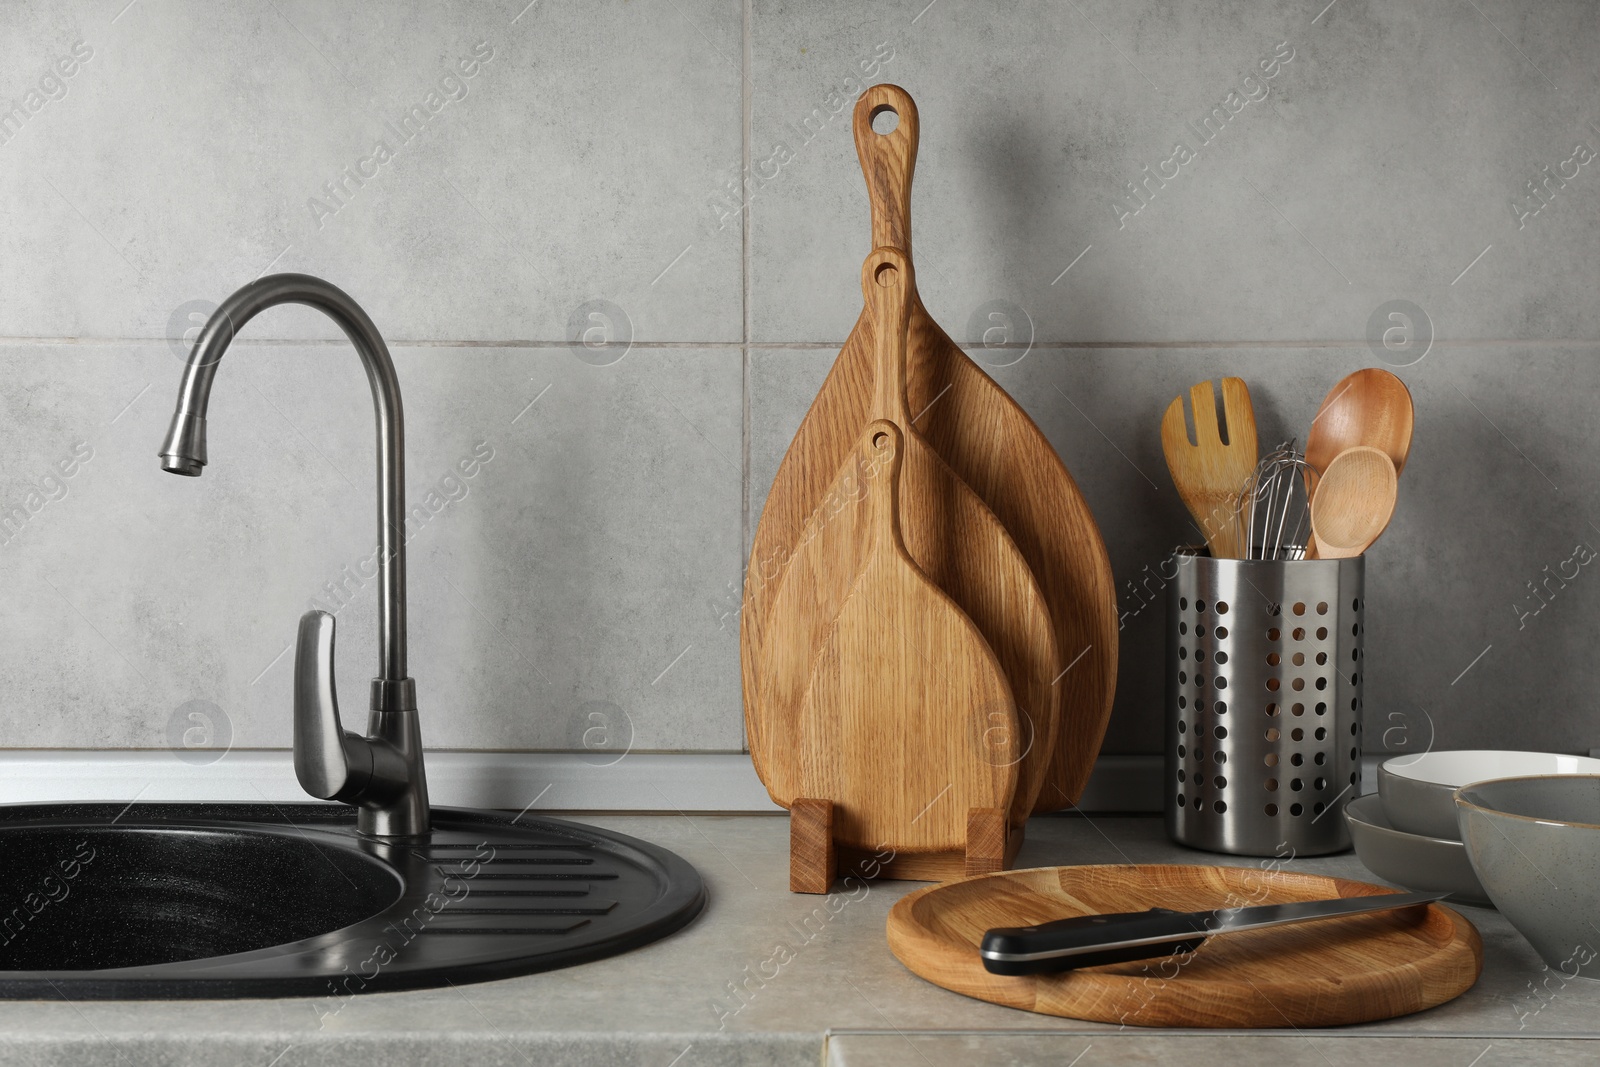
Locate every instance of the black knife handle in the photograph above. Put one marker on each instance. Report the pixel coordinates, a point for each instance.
(1065, 944)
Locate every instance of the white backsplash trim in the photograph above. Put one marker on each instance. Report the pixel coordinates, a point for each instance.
(544, 781)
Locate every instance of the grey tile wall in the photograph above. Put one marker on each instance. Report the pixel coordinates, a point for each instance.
(574, 523)
(1378, 160)
(1499, 486)
(678, 177)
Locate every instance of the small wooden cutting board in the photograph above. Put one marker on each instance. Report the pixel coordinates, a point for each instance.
(897, 727)
(1353, 969)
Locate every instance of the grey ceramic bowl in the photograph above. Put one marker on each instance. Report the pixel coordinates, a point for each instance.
(1535, 845)
(1426, 864)
(1419, 791)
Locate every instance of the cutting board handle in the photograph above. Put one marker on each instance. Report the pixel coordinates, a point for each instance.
(883, 505)
(887, 159)
(887, 282)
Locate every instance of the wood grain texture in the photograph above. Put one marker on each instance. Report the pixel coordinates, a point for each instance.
(890, 728)
(1369, 407)
(1349, 970)
(951, 536)
(986, 841)
(1354, 502)
(987, 441)
(813, 860)
(1209, 472)
(888, 160)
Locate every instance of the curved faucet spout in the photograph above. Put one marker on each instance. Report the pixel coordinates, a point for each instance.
(184, 450)
(383, 773)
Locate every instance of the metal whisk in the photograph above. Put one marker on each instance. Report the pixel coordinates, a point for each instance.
(1274, 505)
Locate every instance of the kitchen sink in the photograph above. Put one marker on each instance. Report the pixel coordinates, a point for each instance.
(227, 900)
(378, 891)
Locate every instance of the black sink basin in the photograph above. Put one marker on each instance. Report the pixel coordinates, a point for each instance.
(92, 897)
(174, 900)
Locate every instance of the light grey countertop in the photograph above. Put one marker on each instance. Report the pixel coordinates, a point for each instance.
(841, 997)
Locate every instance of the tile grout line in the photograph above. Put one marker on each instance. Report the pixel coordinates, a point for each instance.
(747, 344)
(746, 124)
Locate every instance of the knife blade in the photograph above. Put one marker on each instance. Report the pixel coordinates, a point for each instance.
(1092, 940)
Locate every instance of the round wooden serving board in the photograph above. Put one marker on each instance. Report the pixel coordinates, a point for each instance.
(1348, 970)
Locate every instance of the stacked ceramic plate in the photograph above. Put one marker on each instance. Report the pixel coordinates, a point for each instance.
(1406, 833)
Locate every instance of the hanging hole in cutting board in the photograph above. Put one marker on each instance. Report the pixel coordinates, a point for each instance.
(886, 274)
(885, 120)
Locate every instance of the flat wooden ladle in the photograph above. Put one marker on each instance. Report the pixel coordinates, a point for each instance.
(1353, 502)
(1369, 407)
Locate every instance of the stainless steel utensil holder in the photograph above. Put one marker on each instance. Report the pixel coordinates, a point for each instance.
(1264, 673)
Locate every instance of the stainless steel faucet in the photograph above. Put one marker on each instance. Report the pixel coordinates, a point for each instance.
(382, 773)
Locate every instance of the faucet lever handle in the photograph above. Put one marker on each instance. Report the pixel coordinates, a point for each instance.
(330, 763)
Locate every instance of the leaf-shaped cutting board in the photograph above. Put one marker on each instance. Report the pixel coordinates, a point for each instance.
(952, 538)
(904, 724)
(991, 445)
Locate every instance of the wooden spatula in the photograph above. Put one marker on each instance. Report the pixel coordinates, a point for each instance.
(951, 536)
(898, 727)
(1208, 471)
(991, 445)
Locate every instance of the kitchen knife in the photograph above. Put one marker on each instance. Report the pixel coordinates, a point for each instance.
(1092, 940)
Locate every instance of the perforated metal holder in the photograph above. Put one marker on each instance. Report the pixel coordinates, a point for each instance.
(1263, 722)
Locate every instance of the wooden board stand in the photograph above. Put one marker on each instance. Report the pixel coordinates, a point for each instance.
(815, 859)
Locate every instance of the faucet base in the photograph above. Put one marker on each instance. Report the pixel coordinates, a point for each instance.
(401, 809)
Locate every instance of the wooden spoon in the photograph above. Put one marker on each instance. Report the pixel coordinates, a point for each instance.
(988, 441)
(1369, 407)
(904, 726)
(1208, 473)
(951, 536)
(1354, 502)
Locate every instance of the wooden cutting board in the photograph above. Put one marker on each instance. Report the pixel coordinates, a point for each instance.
(1349, 970)
(988, 441)
(952, 538)
(890, 728)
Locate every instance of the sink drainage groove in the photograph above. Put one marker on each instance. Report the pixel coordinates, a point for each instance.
(537, 911)
(505, 931)
(528, 876)
(236, 900)
(504, 848)
(554, 861)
